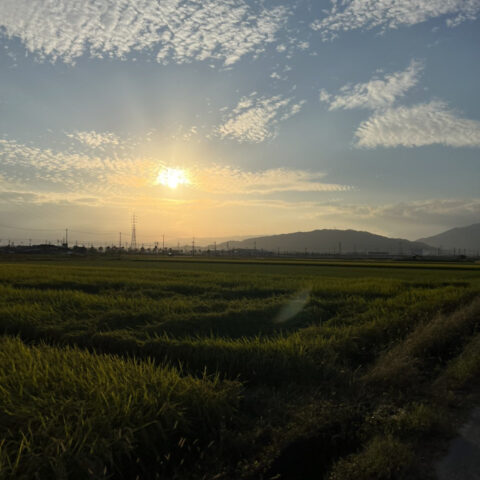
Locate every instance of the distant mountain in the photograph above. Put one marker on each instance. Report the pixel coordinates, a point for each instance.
(328, 241)
(459, 238)
(205, 241)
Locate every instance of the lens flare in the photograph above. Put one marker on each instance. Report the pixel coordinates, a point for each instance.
(172, 177)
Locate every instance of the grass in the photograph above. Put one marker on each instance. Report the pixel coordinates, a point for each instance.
(125, 368)
(428, 348)
(68, 413)
(464, 368)
(383, 458)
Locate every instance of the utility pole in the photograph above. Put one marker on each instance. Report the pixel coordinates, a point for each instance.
(193, 246)
(215, 248)
(163, 242)
(120, 240)
(66, 237)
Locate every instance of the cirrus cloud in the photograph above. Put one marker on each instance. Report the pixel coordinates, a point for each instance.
(180, 31)
(391, 14)
(418, 125)
(229, 180)
(255, 118)
(376, 93)
(103, 176)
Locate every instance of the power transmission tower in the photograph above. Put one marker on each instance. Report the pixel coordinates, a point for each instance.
(133, 241)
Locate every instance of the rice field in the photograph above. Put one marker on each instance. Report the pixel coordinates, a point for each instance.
(162, 369)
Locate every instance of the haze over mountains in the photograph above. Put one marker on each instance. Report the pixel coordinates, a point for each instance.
(460, 238)
(353, 241)
(329, 241)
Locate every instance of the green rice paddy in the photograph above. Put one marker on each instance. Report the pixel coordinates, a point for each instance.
(146, 368)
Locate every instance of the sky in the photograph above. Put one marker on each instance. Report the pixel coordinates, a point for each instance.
(229, 118)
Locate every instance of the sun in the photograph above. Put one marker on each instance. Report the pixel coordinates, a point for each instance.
(172, 177)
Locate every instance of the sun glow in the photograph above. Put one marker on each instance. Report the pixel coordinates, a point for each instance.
(172, 177)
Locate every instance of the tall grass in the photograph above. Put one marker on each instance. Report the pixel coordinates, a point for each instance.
(67, 413)
(355, 372)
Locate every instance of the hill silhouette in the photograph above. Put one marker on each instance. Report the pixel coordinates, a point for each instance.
(467, 238)
(329, 241)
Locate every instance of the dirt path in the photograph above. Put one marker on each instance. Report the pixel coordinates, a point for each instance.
(462, 461)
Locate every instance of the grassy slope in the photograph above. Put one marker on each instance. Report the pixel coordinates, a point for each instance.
(333, 371)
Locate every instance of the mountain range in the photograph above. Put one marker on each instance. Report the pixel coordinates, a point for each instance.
(328, 241)
(353, 241)
(464, 238)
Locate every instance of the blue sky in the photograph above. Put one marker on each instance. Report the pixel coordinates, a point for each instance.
(281, 116)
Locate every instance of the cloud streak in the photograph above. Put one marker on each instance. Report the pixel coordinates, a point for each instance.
(409, 126)
(179, 31)
(230, 180)
(255, 118)
(391, 14)
(72, 172)
(376, 93)
(110, 178)
(418, 125)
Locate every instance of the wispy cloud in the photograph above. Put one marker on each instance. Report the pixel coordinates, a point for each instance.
(418, 125)
(376, 93)
(389, 14)
(255, 118)
(25, 198)
(113, 178)
(171, 30)
(73, 172)
(450, 211)
(412, 126)
(403, 219)
(412, 219)
(431, 211)
(95, 139)
(230, 180)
